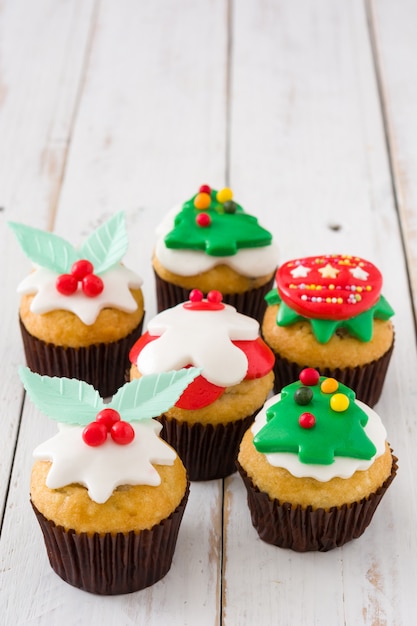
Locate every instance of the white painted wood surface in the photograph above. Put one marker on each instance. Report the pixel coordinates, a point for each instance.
(307, 109)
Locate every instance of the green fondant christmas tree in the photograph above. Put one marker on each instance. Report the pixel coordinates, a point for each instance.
(211, 221)
(318, 419)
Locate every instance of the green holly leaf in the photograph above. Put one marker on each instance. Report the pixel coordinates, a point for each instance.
(335, 433)
(65, 400)
(107, 245)
(149, 396)
(45, 249)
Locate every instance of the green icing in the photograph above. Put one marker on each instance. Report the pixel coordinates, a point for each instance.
(72, 401)
(334, 433)
(359, 326)
(226, 233)
(104, 248)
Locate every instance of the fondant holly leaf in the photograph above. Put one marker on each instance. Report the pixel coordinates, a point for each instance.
(107, 245)
(65, 400)
(73, 401)
(149, 396)
(223, 236)
(334, 433)
(45, 249)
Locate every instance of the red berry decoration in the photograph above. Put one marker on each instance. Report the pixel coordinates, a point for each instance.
(95, 434)
(122, 433)
(309, 376)
(66, 284)
(108, 417)
(214, 296)
(196, 295)
(81, 268)
(205, 189)
(92, 285)
(307, 420)
(203, 220)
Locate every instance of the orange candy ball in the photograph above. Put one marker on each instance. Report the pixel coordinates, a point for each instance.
(202, 201)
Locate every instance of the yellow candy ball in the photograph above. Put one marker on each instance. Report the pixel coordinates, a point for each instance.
(329, 385)
(224, 195)
(202, 201)
(339, 402)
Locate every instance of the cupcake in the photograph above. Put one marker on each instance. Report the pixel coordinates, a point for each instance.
(210, 243)
(81, 310)
(327, 312)
(315, 464)
(108, 492)
(208, 421)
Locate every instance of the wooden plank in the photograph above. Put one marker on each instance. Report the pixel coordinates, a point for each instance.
(393, 31)
(317, 159)
(149, 128)
(41, 65)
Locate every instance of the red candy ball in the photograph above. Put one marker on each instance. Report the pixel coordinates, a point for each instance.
(203, 219)
(309, 376)
(92, 285)
(196, 295)
(122, 433)
(108, 417)
(205, 189)
(214, 296)
(94, 434)
(307, 420)
(66, 284)
(81, 268)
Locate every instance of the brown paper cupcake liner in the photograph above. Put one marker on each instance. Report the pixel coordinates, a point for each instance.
(101, 365)
(111, 564)
(367, 380)
(207, 451)
(303, 530)
(251, 303)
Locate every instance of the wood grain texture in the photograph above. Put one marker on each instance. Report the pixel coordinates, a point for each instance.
(131, 105)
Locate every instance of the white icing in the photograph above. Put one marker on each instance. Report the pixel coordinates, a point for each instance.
(342, 467)
(200, 338)
(103, 468)
(248, 262)
(116, 293)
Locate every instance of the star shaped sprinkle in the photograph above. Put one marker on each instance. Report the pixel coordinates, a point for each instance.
(300, 271)
(359, 273)
(328, 271)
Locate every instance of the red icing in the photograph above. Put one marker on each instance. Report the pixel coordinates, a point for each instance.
(201, 392)
(329, 290)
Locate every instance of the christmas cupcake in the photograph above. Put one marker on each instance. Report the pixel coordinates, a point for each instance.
(208, 421)
(315, 464)
(210, 243)
(81, 309)
(327, 312)
(108, 493)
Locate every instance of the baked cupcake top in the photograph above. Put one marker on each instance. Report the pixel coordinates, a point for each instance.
(316, 428)
(83, 281)
(205, 333)
(332, 292)
(104, 446)
(211, 229)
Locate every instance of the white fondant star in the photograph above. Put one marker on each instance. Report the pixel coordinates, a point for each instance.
(200, 338)
(359, 273)
(328, 271)
(300, 271)
(103, 468)
(116, 293)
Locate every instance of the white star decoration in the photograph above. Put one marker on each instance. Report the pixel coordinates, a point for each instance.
(103, 468)
(200, 338)
(300, 271)
(359, 273)
(328, 271)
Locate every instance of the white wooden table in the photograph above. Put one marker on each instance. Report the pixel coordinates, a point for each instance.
(307, 109)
